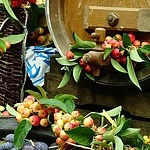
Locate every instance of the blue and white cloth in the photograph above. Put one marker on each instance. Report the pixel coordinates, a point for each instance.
(37, 61)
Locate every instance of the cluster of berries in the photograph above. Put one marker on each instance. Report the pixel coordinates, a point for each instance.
(116, 42)
(146, 139)
(117, 52)
(18, 3)
(86, 67)
(7, 144)
(33, 111)
(65, 121)
(40, 36)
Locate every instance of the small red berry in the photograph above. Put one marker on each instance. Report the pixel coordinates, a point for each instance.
(82, 63)
(136, 43)
(132, 37)
(88, 68)
(123, 60)
(69, 55)
(115, 53)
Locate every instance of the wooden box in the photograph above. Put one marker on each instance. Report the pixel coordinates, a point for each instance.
(84, 16)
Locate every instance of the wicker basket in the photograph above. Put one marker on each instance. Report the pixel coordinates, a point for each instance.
(11, 64)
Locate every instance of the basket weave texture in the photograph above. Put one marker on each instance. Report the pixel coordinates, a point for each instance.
(11, 64)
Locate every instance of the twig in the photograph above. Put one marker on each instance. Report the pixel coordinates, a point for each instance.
(79, 146)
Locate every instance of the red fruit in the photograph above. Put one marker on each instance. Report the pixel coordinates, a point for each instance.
(88, 122)
(5, 113)
(88, 68)
(35, 120)
(44, 122)
(69, 55)
(59, 142)
(105, 45)
(99, 138)
(7, 44)
(63, 135)
(75, 114)
(108, 38)
(123, 60)
(101, 130)
(114, 43)
(82, 63)
(115, 53)
(132, 37)
(118, 37)
(15, 3)
(136, 43)
(42, 113)
(68, 126)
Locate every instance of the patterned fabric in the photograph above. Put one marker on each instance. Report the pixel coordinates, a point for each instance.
(38, 63)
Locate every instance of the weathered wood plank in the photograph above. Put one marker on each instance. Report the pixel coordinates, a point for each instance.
(135, 102)
(128, 18)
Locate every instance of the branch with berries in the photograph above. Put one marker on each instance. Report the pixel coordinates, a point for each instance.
(104, 130)
(123, 53)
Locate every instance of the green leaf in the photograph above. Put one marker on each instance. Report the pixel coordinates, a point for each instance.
(62, 97)
(131, 72)
(77, 72)
(135, 56)
(3, 45)
(79, 52)
(89, 76)
(126, 40)
(34, 16)
(70, 105)
(82, 44)
(123, 126)
(81, 135)
(113, 112)
(54, 103)
(118, 143)
(11, 110)
(107, 52)
(9, 10)
(37, 95)
(130, 133)
(65, 62)
(117, 66)
(21, 132)
(143, 56)
(43, 92)
(14, 39)
(145, 49)
(65, 79)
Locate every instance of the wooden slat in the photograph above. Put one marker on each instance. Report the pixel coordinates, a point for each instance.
(129, 18)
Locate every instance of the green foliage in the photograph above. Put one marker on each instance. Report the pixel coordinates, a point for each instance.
(65, 79)
(21, 132)
(117, 66)
(79, 49)
(64, 102)
(33, 17)
(14, 39)
(82, 44)
(3, 45)
(9, 9)
(81, 135)
(131, 72)
(11, 110)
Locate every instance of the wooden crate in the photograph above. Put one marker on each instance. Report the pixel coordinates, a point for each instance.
(95, 97)
(84, 16)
